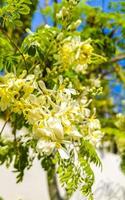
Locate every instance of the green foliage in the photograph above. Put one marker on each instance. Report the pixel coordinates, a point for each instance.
(17, 152)
(6, 55)
(76, 173)
(48, 164)
(10, 13)
(87, 150)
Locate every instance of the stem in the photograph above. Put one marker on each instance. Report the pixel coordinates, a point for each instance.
(17, 48)
(3, 127)
(14, 133)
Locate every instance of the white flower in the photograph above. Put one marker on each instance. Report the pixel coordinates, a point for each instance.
(43, 132)
(96, 83)
(83, 100)
(70, 91)
(81, 68)
(86, 112)
(47, 26)
(96, 136)
(56, 128)
(75, 134)
(97, 133)
(45, 146)
(94, 124)
(65, 121)
(34, 115)
(59, 15)
(51, 129)
(30, 77)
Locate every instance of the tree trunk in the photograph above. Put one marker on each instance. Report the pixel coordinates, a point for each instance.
(54, 192)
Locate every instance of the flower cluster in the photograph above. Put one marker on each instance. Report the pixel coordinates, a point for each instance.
(57, 116)
(13, 90)
(76, 54)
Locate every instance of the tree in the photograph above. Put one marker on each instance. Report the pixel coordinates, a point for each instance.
(54, 83)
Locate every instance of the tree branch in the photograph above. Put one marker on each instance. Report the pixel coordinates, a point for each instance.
(117, 58)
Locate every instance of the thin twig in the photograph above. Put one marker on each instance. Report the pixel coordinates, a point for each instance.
(17, 48)
(14, 132)
(3, 127)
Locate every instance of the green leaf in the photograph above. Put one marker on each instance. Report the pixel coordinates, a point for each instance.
(32, 50)
(24, 10)
(19, 23)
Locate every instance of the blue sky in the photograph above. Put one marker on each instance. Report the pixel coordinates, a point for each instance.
(38, 19)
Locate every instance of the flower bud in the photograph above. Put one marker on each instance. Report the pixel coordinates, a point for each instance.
(59, 15)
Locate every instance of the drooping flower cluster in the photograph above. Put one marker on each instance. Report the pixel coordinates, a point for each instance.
(57, 116)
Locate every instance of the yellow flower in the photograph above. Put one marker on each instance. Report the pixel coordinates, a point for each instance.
(6, 98)
(66, 55)
(86, 49)
(18, 107)
(76, 54)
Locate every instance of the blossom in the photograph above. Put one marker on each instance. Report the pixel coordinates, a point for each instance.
(45, 146)
(6, 98)
(75, 53)
(51, 128)
(94, 124)
(55, 116)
